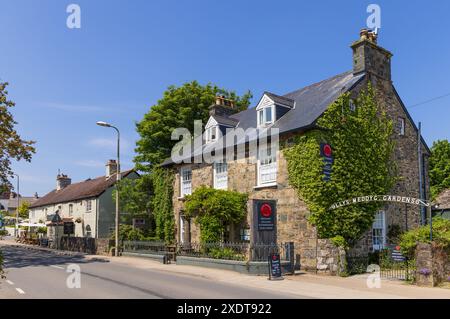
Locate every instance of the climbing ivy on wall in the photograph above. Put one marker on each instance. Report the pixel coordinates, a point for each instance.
(162, 204)
(362, 151)
(214, 209)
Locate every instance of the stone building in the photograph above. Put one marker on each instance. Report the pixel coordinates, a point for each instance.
(264, 175)
(89, 204)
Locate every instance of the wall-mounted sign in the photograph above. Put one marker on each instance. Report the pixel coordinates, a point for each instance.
(396, 254)
(266, 215)
(69, 228)
(327, 156)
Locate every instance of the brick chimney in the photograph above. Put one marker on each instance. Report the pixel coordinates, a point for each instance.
(111, 168)
(369, 57)
(62, 181)
(222, 107)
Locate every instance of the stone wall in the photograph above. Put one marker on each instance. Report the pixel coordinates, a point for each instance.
(432, 265)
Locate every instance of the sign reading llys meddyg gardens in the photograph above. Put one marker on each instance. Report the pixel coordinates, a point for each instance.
(380, 198)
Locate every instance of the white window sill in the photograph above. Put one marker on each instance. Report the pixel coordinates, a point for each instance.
(274, 184)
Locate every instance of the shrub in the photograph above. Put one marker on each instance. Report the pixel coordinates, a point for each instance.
(213, 209)
(441, 236)
(42, 230)
(225, 253)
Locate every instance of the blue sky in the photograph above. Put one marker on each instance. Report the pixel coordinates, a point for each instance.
(127, 53)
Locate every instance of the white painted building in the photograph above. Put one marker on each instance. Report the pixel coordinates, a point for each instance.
(89, 204)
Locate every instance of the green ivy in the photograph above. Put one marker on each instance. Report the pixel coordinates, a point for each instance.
(362, 151)
(213, 209)
(162, 204)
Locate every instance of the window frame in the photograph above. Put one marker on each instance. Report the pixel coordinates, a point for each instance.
(88, 205)
(274, 164)
(262, 115)
(401, 126)
(182, 181)
(220, 174)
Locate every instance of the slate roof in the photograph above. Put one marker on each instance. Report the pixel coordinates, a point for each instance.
(87, 189)
(225, 120)
(280, 99)
(310, 102)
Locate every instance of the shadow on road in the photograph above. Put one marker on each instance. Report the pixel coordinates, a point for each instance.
(15, 257)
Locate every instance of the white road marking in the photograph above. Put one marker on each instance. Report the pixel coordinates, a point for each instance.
(10, 282)
(54, 266)
(20, 291)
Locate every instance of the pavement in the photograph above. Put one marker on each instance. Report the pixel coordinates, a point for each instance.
(35, 272)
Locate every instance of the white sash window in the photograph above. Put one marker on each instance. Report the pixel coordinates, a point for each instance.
(186, 181)
(267, 166)
(220, 175)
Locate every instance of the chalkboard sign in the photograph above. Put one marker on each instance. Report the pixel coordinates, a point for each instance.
(266, 215)
(69, 228)
(275, 267)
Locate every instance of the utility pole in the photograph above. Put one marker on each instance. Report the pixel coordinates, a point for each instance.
(104, 124)
(16, 229)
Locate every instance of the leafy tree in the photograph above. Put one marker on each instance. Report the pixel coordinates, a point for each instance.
(362, 149)
(24, 209)
(213, 209)
(134, 198)
(439, 167)
(12, 146)
(179, 107)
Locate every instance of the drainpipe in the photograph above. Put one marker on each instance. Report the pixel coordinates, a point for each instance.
(419, 154)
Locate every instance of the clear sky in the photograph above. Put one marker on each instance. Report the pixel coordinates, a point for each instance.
(127, 52)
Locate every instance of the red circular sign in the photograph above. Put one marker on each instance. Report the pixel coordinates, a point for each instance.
(266, 210)
(327, 150)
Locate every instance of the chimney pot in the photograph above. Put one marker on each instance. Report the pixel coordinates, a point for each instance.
(111, 168)
(62, 181)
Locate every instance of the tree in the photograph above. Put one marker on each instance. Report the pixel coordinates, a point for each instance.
(213, 209)
(12, 146)
(24, 209)
(362, 151)
(134, 198)
(179, 107)
(439, 167)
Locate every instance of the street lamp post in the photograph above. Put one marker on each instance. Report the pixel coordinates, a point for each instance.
(16, 229)
(104, 124)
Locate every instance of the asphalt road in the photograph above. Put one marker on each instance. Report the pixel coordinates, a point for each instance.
(40, 274)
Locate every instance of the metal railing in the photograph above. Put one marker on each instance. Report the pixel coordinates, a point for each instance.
(242, 251)
(145, 247)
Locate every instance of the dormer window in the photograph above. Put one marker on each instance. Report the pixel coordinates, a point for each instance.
(211, 134)
(266, 116)
(272, 107)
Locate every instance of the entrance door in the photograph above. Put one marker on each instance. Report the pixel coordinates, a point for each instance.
(185, 230)
(264, 229)
(264, 222)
